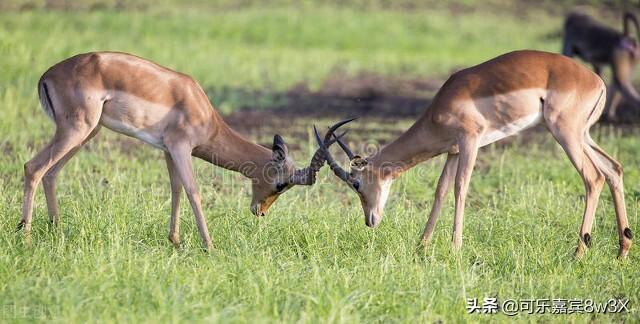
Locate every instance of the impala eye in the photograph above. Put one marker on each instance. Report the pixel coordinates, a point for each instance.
(280, 186)
(356, 185)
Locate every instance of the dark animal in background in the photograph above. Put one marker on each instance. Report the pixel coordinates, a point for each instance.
(601, 45)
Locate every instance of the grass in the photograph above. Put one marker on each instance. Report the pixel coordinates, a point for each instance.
(311, 259)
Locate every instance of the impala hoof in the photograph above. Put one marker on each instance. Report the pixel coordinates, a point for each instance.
(21, 225)
(580, 252)
(175, 241)
(422, 246)
(622, 255)
(625, 245)
(583, 245)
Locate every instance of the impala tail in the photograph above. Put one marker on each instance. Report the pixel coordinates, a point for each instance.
(45, 99)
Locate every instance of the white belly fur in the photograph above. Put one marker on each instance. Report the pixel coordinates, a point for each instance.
(122, 128)
(527, 101)
(135, 117)
(521, 124)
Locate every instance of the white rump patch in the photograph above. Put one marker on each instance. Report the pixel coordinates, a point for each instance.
(507, 130)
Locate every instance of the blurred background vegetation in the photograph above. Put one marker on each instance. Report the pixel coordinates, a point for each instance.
(356, 4)
(264, 47)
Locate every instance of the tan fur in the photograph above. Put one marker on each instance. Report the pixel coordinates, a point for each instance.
(166, 109)
(506, 95)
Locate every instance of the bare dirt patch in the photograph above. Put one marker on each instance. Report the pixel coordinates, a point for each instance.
(383, 104)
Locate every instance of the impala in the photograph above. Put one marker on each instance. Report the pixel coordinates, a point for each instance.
(166, 109)
(483, 104)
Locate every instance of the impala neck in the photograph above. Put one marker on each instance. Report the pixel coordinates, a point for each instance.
(420, 143)
(229, 150)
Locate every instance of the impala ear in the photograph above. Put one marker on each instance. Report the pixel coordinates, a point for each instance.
(280, 150)
(358, 163)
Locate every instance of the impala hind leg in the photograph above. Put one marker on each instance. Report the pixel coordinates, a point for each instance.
(181, 156)
(448, 173)
(49, 180)
(612, 170)
(467, 160)
(65, 140)
(576, 148)
(176, 193)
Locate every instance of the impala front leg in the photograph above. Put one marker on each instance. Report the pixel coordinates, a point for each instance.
(467, 159)
(442, 189)
(176, 194)
(181, 156)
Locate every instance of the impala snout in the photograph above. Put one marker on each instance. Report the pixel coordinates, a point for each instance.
(373, 211)
(372, 219)
(373, 196)
(260, 208)
(256, 210)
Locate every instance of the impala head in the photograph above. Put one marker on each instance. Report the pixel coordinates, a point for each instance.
(279, 174)
(369, 182)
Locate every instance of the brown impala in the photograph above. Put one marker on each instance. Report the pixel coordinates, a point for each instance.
(483, 104)
(166, 109)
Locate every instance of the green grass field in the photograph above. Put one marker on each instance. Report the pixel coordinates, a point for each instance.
(311, 259)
